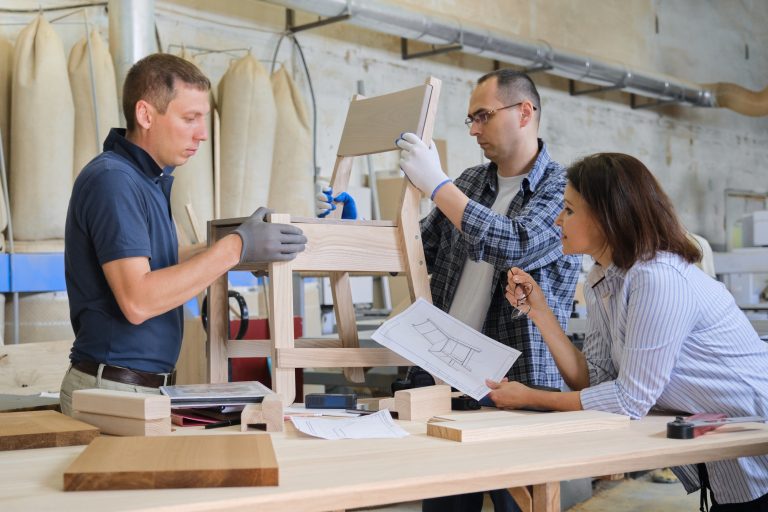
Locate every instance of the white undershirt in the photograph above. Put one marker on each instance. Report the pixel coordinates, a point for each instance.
(473, 295)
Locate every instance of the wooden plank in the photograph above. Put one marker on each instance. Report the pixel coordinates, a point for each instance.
(338, 357)
(408, 222)
(263, 348)
(126, 404)
(269, 414)
(349, 247)
(373, 124)
(42, 429)
(346, 320)
(120, 426)
(111, 463)
(516, 427)
(31, 368)
(218, 319)
(371, 473)
(546, 497)
(281, 322)
(342, 170)
(226, 226)
(419, 404)
(523, 498)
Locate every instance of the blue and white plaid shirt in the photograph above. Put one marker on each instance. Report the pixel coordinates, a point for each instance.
(527, 238)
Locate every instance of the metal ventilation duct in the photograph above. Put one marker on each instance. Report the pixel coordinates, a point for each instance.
(399, 21)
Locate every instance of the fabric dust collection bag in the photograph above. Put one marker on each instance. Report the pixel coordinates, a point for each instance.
(42, 134)
(248, 126)
(292, 187)
(6, 81)
(96, 109)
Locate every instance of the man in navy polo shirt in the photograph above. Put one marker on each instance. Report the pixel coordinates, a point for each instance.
(125, 282)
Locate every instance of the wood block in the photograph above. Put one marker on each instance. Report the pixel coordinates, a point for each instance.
(268, 413)
(373, 124)
(387, 403)
(42, 429)
(423, 403)
(119, 426)
(31, 368)
(142, 406)
(517, 426)
(236, 460)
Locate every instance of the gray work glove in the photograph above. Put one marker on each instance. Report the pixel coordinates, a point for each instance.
(265, 242)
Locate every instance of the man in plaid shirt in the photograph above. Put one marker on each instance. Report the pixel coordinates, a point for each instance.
(493, 217)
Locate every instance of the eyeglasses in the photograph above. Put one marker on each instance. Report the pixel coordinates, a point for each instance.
(520, 295)
(486, 115)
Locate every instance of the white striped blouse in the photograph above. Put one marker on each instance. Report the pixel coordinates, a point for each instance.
(664, 334)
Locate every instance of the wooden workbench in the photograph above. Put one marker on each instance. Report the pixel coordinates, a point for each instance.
(318, 475)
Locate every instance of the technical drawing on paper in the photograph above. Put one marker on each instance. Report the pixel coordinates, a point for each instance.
(453, 351)
(445, 347)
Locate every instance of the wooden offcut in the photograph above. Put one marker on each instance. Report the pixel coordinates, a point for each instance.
(42, 429)
(522, 426)
(142, 406)
(113, 463)
(122, 426)
(32, 368)
(422, 403)
(268, 414)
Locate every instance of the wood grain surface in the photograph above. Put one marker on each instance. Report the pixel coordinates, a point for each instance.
(42, 429)
(517, 426)
(116, 463)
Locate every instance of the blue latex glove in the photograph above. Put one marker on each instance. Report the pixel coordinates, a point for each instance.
(325, 203)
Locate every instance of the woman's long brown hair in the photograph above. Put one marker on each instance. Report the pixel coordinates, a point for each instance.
(637, 217)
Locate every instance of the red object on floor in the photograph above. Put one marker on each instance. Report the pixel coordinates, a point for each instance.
(255, 368)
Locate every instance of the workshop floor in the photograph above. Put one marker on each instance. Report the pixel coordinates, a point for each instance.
(636, 495)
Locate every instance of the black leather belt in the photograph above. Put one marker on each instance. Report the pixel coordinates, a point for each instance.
(126, 375)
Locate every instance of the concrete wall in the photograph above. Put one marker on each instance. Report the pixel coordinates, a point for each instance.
(697, 153)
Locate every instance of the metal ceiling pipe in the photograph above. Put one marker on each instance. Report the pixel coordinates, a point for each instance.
(131, 35)
(384, 17)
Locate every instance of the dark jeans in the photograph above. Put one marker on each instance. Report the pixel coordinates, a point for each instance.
(502, 502)
(758, 505)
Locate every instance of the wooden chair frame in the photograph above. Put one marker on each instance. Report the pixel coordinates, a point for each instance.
(339, 248)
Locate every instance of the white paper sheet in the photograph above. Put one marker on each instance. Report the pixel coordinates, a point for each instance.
(372, 426)
(300, 410)
(446, 348)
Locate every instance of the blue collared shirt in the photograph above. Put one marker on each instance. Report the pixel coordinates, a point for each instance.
(665, 334)
(525, 237)
(120, 208)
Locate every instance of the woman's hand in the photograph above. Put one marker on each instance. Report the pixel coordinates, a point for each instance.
(524, 293)
(508, 395)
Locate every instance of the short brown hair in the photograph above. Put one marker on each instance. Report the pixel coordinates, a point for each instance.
(514, 85)
(153, 79)
(635, 214)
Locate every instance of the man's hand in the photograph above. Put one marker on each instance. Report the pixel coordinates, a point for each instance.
(265, 242)
(421, 164)
(325, 203)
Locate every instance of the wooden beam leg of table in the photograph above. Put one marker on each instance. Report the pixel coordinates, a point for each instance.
(523, 498)
(546, 497)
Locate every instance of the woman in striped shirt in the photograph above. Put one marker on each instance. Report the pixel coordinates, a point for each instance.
(660, 332)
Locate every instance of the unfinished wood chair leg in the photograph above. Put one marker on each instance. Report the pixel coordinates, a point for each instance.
(218, 330)
(269, 414)
(522, 497)
(345, 320)
(281, 322)
(546, 497)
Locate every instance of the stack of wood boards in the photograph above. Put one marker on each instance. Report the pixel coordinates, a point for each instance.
(123, 413)
(499, 425)
(42, 429)
(111, 463)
